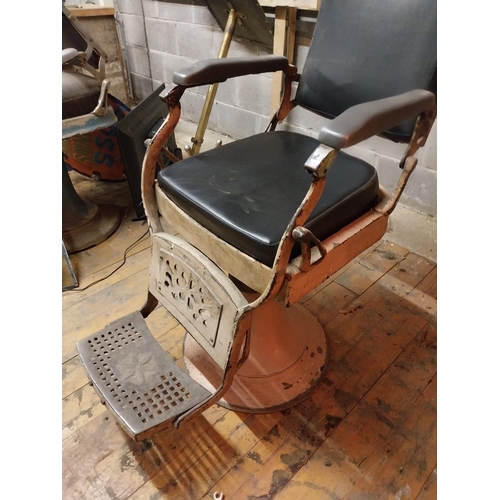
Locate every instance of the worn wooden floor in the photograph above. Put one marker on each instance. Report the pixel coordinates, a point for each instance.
(367, 432)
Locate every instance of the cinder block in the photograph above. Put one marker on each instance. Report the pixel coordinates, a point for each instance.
(201, 15)
(217, 40)
(137, 60)
(173, 11)
(191, 105)
(253, 93)
(236, 122)
(194, 41)
(246, 48)
(159, 70)
(185, 13)
(141, 86)
(129, 6)
(133, 27)
(226, 91)
(162, 36)
(163, 65)
(150, 8)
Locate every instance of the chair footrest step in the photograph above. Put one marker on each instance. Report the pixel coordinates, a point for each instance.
(135, 378)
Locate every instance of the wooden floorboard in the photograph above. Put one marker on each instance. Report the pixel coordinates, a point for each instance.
(367, 432)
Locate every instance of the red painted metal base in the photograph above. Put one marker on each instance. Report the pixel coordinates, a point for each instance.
(288, 358)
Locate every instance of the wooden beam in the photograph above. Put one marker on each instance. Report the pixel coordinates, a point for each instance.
(298, 4)
(284, 45)
(92, 11)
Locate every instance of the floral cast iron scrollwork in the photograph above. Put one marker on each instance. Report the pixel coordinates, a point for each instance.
(184, 288)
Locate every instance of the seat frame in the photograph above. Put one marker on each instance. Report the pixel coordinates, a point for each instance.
(287, 280)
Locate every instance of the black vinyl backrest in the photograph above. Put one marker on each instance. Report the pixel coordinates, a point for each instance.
(364, 50)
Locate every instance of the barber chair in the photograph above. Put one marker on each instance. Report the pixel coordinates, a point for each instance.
(85, 109)
(265, 220)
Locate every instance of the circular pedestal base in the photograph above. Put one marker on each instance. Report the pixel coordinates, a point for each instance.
(100, 223)
(287, 360)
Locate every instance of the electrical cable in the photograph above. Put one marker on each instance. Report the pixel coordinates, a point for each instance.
(114, 271)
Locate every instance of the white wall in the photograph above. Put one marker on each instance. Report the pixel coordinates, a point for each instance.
(161, 37)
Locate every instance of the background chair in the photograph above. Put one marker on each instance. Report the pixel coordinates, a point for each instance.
(85, 109)
(265, 220)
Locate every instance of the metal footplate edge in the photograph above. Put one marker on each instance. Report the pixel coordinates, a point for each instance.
(135, 378)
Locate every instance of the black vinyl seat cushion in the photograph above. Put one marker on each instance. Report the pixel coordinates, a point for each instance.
(80, 94)
(247, 191)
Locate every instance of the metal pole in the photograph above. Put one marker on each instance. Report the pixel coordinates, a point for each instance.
(197, 140)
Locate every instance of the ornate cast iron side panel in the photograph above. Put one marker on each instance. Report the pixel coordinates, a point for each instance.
(198, 294)
(181, 285)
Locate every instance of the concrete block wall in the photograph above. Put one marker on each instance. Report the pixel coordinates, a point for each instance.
(160, 37)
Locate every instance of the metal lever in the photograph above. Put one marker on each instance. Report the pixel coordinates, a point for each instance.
(305, 238)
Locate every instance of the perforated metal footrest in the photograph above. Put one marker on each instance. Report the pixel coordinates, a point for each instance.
(135, 378)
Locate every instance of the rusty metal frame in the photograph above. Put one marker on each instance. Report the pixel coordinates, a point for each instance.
(284, 273)
(408, 162)
(153, 150)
